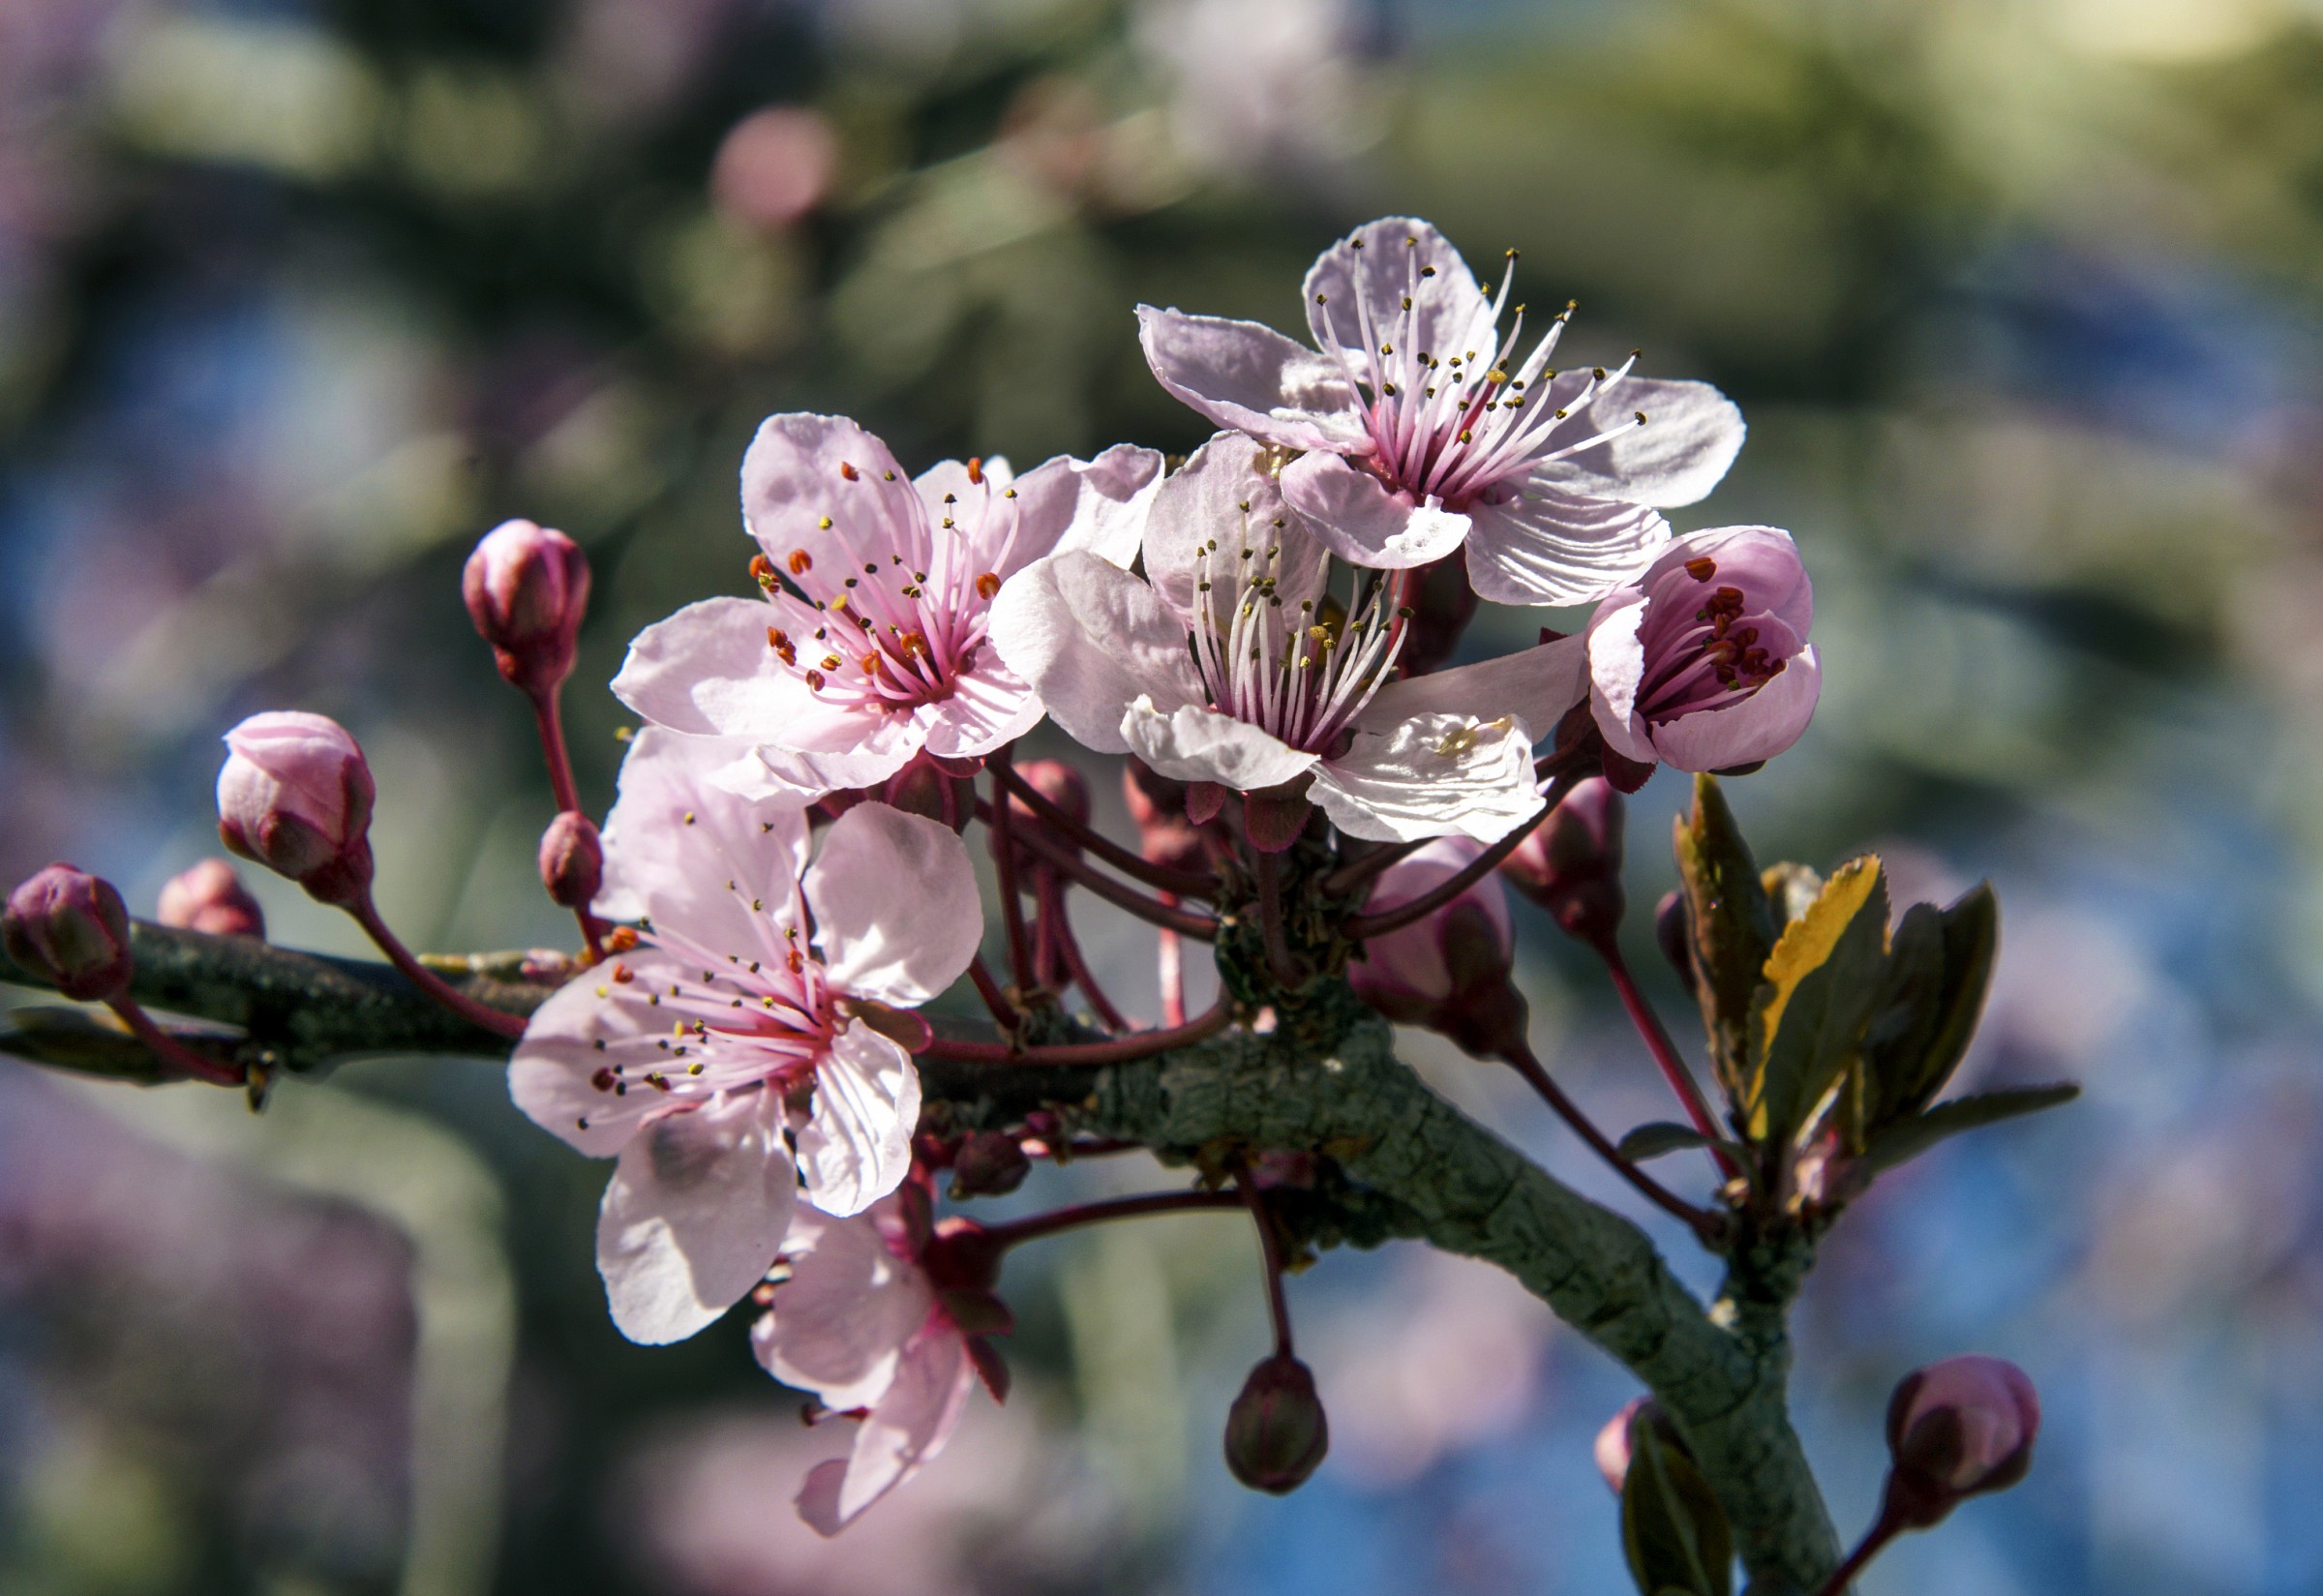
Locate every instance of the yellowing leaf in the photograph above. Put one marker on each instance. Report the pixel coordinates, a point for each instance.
(1823, 981)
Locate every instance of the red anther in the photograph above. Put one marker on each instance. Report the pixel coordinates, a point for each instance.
(1702, 568)
(987, 586)
(800, 562)
(976, 470)
(848, 471)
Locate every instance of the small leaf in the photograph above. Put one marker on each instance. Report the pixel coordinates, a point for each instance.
(1823, 980)
(1651, 1141)
(1673, 1533)
(1910, 1138)
(1940, 970)
(1731, 925)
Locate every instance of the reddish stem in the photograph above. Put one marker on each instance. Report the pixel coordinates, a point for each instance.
(1138, 1044)
(1116, 1208)
(173, 1053)
(1170, 970)
(548, 715)
(492, 1019)
(1452, 886)
(1284, 968)
(1703, 1224)
(1004, 862)
(1874, 1540)
(1048, 958)
(1188, 883)
(1270, 1244)
(1342, 882)
(1664, 1053)
(1004, 1015)
(1061, 858)
(1077, 966)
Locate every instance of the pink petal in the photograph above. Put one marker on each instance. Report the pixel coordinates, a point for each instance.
(1760, 726)
(1091, 639)
(1616, 667)
(671, 831)
(1225, 493)
(551, 1076)
(1360, 521)
(840, 1322)
(903, 1434)
(1691, 435)
(1542, 545)
(857, 1144)
(1450, 312)
(895, 907)
(1251, 380)
(1098, 504)
(1537, 686)
(708, 670)
(694, 1215)
(989, 706)
(1197, 744)
(795, 477)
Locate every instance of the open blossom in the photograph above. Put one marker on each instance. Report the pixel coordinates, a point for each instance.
(1703, 662)
(1234, 663)
(869, 643)
(1425, 430)
(759, 1002)
(857, 1317)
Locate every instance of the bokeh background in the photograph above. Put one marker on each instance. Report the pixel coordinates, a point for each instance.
(297, 298)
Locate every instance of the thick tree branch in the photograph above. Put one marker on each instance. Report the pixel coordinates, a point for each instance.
(1400, 1162)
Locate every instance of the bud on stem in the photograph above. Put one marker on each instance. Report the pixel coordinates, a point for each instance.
(1276, 1431)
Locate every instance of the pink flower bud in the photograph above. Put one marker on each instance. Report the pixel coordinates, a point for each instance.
(1059, 783)
(209, 896)
(1276, 1430)
(527, 588)
(1571, 864)
(70, 927)
(1702, 662)
(989, 1164)
(1612, 1448)
(572, 860)
(1958, 1428)
(1449, 971)
(1157, 805)
(295, 795)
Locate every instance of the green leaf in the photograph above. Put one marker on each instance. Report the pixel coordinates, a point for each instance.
(1824, 979)
(1909, 1138)
(1651, 1141)
(1938, 978)
(1732, 923)
(1673, 1533)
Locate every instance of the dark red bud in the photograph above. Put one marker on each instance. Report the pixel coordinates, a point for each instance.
(70, 927)
(924, 788)
(1276, 1431)
(572, 860)
(1571, 864)
(990, 1164)
(961, 1255)
(1159, 807)
(1443, 603)
(210, 897)
(527, 590)
(1674, 932)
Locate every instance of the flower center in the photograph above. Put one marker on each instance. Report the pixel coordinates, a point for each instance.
(1301, 672)
(1450, 426)
(902, 617)
(1702, 645)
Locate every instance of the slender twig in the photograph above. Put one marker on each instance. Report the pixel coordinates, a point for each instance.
(1186, 884)
(1004, 1013)
(1137, 1045)
(1004, 864)
(1049, 957)
(1116, 1208)
(1056, 854)
(1270, 1246)
(1664, 1053)
(174, 1054)
(1452, 886)
(1278, 960)
(494, 1020)
(1077, 966)
(1703, 1224)
(1344, 880)
(547, 715)
(1874, 1540)
(1169, 969)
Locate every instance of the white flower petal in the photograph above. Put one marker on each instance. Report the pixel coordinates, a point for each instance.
(1099, 505)
(1429, 777)
(1617, 669)
(1197, 744)
(1691, 435)
(551, 1076)
(1091, 637)
(840, 1322)
(1382, 262)
(1760, 726)
(903, 1432)
(1251, 380)
(1546, 546)
(856, 1146)
(799, 500)
(1360, 521)
(1224, 494)
(1537, 686)
(673, 840)
(693, 1217)
(894, 900)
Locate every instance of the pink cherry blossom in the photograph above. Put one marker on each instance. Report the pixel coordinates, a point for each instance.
(1425, 432)
(757, 1009)
(856, 1318)
(869, 643)
(1703, 662)
(1232, 662)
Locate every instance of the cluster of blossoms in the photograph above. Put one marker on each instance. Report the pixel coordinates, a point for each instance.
(1259, 632)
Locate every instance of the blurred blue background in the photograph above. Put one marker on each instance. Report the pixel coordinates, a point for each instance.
(2021, 298)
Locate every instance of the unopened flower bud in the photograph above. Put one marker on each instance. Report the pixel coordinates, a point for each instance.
(1059, 783)
(1674, 932)
(295, 795)
(527, 588)
(990, 1164)
(209, 896)
(1571, 864)
(572, 860)
(1958, 1428)
(70, 927)
(1615, 1442)
(1276, 1430)
(1449, 971)
(1157, 805)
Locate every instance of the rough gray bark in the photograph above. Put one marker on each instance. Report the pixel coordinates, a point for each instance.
(1402, 1163)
